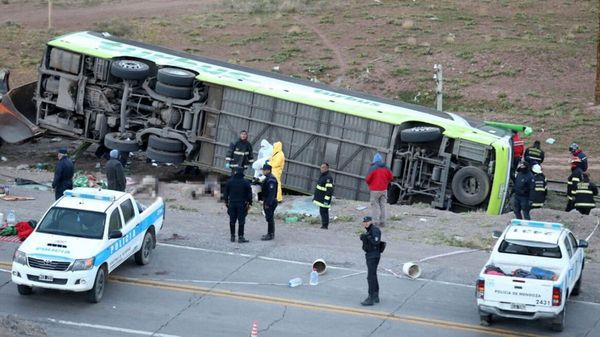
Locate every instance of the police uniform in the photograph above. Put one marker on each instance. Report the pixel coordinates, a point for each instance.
(240, 155)
(238, 197)
(584, 193)
(539, 190)
(63, 175)
(521, 189)
(269, 196)
(371, 242)
(574, 179)
(322, 197)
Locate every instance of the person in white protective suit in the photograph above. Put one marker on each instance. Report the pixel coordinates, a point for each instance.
(264, 153)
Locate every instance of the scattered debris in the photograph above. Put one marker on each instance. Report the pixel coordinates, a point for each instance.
(22, 167)
(55, 140)
(422, 219)
(15, 198)
(361, 208)
(3, 158)
(550, 141)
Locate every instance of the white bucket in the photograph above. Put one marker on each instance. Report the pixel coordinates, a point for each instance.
(411, 270)
(320, 266)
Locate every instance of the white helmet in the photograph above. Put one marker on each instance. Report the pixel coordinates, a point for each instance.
(537, 169)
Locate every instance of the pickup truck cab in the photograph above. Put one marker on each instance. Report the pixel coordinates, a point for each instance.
(533, 269)
(84, 236)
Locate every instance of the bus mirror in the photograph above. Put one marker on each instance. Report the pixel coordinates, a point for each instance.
(496, 234)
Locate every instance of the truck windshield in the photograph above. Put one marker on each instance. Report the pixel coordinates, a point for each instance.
(530, 248)
(73, 222)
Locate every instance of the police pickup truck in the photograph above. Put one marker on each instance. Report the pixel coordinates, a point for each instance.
(84, 236)
(533, 269)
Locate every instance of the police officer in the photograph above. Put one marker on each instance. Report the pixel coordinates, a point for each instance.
(240, 153)
(238, 198)
(269, 196)
(584, 195)
(521, 189)
(575, 178)
(114, 173)
(371, 241)
(535, 154)
(63, 174)
(323, 194)
(539, 188)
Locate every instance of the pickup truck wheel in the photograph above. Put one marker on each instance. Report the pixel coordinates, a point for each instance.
(24, 290)
(173, 91)
(142, 256)
(165, 144)
(176, 77)
(558, 324)
(124, 143)
(470, 185)
(577, 286)
(420, 134)
(95, 294)
(485, 319)
(164, 156)
(130, 69)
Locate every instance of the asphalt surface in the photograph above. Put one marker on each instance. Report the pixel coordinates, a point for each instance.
(195, 292)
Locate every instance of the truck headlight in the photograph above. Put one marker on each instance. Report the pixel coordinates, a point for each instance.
(20, 257)
(83, 264)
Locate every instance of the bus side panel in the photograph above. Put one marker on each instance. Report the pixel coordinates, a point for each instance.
(309, 135)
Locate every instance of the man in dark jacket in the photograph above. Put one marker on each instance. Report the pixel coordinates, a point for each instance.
(114, 173)
(323, 194)
(378, 179)
(539, 188)
(521, 189)
(240, 153)
(63, 174)
(238, 198)
(584, 195)
(269, 196)
(371, 241)
(575, 178)
(535, 154)
(583, 161)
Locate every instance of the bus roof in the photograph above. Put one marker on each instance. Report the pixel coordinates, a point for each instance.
(266, 83)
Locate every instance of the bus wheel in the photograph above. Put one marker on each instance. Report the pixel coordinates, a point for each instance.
(164, 156)
(470, 185)
(420, 134)
(121, 142)
(173, 91)
(165, 144)
(176, 77)
(130, 69)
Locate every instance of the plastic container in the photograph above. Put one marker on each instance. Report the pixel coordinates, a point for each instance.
(411, 269)
(11, 218)
(295, 282)
(314, 277)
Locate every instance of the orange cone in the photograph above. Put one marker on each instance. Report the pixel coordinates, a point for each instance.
(254, 331)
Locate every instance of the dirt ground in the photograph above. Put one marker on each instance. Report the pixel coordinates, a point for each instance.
(12, 326)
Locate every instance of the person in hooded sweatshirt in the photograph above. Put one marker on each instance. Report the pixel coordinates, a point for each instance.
(277, 163)
(378, 178)
(114, 173)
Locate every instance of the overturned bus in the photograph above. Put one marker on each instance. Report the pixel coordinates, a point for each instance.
(182, 108)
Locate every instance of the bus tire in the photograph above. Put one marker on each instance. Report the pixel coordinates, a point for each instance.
(420, 134)
(173, 91)
(175, 76)
(116, 141)
(130, 69)
(393, 194)
(470, 185)
(165, 156)
(165, 144)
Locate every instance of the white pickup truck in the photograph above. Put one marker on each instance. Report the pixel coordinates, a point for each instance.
(83, 237)
(533, 269)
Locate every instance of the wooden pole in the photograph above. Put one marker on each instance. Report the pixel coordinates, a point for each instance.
(50, 14)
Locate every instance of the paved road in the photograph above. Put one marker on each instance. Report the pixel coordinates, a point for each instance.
(190, 292)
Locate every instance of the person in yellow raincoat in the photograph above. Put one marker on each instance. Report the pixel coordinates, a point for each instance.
(277, 162)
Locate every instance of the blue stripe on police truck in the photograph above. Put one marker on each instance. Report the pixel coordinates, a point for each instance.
(127, 237)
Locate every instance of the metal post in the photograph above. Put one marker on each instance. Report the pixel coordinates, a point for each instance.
(49, 14)
(438, 76)
(123, 121)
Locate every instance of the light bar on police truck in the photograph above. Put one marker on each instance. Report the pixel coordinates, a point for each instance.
(70, 193)
(538, 224)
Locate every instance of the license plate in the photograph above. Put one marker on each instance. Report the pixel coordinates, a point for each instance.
(46, 278)
(517, 306)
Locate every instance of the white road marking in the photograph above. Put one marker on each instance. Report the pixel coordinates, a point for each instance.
(4, 270)
(110, 328)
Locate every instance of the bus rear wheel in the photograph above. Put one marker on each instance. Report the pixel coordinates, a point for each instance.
(470, 185)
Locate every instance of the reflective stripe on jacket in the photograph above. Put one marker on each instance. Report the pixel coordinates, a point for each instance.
(324, 190)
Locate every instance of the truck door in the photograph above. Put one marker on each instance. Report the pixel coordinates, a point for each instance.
(577, 256)
(115, 223)
(572, 271)
(130, 234)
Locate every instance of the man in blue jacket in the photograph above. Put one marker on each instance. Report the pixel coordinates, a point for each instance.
(63, 174)
(269, 196)
(371, 245)
(522, 188)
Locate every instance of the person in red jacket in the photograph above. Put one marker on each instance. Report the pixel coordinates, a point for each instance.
(518, 148)
(378, 178)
